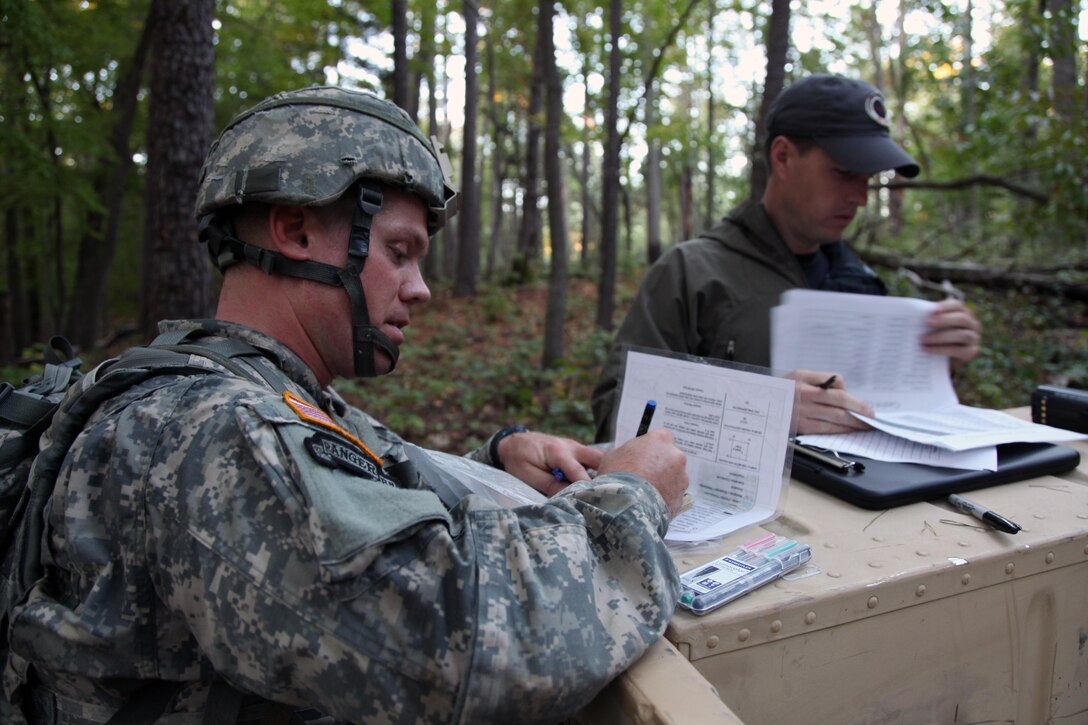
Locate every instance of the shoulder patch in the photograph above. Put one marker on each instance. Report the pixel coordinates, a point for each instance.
(312, 414)
(332, 452)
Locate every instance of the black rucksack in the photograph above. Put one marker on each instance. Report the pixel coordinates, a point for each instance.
(25, 413)
(61, 400)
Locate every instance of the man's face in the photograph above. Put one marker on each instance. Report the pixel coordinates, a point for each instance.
(392, 281)
(817, 198)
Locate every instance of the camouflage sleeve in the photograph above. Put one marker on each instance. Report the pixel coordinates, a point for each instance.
(306, 577)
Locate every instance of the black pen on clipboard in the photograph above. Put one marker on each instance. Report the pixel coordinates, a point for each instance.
(647, 417)
(827, 457)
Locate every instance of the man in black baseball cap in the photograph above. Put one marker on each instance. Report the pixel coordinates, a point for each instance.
(847, 119)
(712, 296)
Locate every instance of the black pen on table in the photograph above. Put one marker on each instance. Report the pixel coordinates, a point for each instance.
(647, 416)
(982, 513)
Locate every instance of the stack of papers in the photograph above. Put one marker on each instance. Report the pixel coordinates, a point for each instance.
(873, 344)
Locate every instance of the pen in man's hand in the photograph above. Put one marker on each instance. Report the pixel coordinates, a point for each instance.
(828, 383)
(982, 513)
(647, 416)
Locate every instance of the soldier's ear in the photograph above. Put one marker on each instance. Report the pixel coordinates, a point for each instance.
(780, 152)
(287, 226)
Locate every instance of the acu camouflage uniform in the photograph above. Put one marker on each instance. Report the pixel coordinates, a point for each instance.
(211, 526)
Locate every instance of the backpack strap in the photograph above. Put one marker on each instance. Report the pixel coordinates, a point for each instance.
(221, 350)
(147, 704)
(20, 409)
(170, 354)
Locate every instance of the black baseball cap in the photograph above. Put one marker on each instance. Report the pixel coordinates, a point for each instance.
(848, 119)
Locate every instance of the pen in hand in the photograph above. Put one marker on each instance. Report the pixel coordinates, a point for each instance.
(647, 416)
(825, 385)
(982, 513)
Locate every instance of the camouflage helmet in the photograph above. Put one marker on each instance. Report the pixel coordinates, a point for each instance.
(308, 146)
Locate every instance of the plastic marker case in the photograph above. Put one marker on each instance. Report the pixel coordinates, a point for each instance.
(749, 567)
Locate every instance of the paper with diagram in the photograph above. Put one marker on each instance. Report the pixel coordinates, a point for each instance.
(734, 426)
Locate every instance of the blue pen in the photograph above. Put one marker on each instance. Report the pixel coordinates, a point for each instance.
(558, 475)
(647, 416)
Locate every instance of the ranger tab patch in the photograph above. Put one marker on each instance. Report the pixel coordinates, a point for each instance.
(332, 452)
(312, 414)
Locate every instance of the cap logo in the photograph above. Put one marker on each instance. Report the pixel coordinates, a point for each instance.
(875, 109)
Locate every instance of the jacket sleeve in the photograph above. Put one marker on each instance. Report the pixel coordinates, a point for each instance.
(304, 579)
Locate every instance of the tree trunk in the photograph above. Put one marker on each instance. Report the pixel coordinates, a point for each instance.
(584, 173)
(557, 222)
(51, 290)
(99, 241)
(1044, 282)
(400, 55)
(687, 203)
(432, 267)
(176, 279)
(970, 119)
(498, 162)
(13, 313)
(708, 219)
(468, 260)
(652, 170)
(529, 236)
(610, 175)
(778, 43)
(1064, 55)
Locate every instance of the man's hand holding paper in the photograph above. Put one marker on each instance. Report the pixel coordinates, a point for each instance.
(953, 331)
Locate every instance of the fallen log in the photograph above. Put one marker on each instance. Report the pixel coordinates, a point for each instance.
(978, 274)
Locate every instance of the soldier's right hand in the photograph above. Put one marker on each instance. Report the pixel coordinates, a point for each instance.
(656, 458)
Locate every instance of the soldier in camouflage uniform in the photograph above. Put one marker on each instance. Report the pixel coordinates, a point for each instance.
(256, 530)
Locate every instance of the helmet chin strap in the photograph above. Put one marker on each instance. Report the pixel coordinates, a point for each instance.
(364, 334)
(226, 249)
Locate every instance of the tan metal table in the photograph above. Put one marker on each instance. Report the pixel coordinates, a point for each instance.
(917, 614)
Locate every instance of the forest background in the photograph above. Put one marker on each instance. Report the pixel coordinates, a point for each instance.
(639, 121)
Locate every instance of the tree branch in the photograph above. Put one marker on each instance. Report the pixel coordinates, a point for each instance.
(969, 181)
(652, 72)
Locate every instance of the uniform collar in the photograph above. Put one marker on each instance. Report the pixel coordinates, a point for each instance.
(275, 351)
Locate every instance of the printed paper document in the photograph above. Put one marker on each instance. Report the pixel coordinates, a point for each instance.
(873, 343)
(734, 427)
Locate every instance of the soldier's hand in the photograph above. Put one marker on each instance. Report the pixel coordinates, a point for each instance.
(546, 462)
(656, 458)
(824, 407)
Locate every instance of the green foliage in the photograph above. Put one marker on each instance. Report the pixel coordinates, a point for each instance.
(1029, 339)
(464, 375)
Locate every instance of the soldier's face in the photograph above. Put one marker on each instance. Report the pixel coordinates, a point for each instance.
(392, 278)
(392, 283)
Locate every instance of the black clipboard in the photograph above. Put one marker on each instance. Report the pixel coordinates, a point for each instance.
(883, 485)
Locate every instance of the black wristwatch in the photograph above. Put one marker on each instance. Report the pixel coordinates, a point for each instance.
(493, 449)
